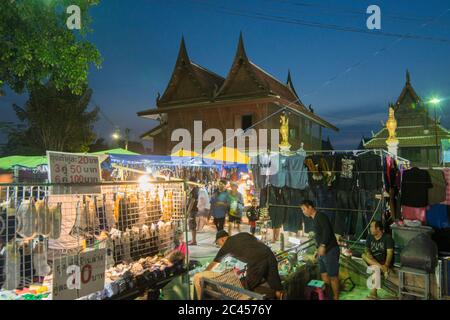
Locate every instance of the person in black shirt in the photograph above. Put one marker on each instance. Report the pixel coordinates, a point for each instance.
(327, 247)
(253, 215)
(192, 212)
(262, 266)
(379, 251)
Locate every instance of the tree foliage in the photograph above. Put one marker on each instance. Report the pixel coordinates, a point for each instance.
(37, 46)
(53, 120)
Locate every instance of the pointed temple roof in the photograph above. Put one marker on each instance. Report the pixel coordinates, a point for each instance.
(410, 133)
(246, 78)
(191, 83)
(408, 91)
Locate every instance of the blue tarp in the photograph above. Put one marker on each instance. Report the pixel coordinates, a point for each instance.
(149, 160)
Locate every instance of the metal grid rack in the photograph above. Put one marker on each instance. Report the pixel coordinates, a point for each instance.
(40, 223)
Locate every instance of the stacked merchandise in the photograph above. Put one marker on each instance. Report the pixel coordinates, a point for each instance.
(136, 278)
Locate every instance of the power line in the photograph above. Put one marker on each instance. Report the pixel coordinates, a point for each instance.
(313, 24)
(354, 12)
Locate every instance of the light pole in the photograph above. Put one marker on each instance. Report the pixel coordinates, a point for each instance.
(127, 134)
(435, 102)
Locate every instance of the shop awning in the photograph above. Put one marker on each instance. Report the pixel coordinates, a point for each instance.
(8, 163)
(228, 155)
(115, 151)
(185, 153)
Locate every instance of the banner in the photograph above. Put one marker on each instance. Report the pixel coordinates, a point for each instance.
(79, 275)
(74, 169)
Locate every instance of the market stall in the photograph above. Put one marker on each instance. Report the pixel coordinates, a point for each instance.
(117, 242)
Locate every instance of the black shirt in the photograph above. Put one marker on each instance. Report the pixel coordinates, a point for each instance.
(261, 262)
(378, 248)
(324, 231)
(415, 185)
(346, 177)
(370, 172)
(253, 214)
(245, 247)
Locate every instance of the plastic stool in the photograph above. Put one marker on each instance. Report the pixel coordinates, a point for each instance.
(313, 288)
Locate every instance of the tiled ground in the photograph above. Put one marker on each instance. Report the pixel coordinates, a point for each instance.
(205, 252)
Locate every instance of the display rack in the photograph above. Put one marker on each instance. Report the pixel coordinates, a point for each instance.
(44, 225)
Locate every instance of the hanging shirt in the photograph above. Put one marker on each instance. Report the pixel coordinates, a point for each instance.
(415, 185)
(278, 170)
(297, 174)
(370, 172)
(346, 177)
(447, 189)
(437, 193)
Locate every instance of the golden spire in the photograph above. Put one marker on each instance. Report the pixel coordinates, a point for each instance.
(391, 126)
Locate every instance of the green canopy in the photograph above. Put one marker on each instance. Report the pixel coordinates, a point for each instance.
(7, 163)
(116, 151)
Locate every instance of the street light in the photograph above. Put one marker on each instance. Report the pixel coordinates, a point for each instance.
(115, 136)
(435, 102)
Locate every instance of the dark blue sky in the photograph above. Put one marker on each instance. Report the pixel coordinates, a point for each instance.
(139, 42)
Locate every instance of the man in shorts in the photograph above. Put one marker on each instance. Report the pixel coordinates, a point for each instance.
(327, 247)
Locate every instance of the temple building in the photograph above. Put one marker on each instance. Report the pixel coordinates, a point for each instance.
(418, 133)
(246, 98)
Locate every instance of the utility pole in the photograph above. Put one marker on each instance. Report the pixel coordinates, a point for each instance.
(127, 137)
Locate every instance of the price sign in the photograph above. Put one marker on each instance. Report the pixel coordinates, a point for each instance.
(79, 275)
(74, 169)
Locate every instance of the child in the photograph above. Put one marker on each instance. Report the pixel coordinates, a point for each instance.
(180, 244)
(253, 215)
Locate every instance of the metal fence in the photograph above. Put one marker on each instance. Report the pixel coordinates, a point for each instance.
(41, 223)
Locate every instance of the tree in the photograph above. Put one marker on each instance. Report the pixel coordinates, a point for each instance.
(54, 120)
(37, 45)
(99, 145)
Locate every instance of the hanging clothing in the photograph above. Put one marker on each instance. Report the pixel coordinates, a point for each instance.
(62, 224)
(447, 189)
(279, 170)
(315, 176)
(278, 197)
(436, 194)
(438, 216)
(345, 220)
(415, 186)
(297, 173)
(28, 218)
(294, 216)
(346, 175)
(370, 172)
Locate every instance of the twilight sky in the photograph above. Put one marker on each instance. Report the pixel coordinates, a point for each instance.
(348, 77)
